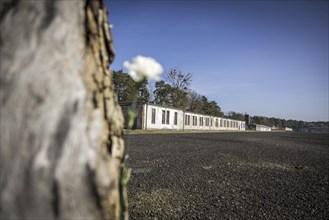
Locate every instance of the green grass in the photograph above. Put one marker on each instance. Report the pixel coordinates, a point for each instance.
(139, 131)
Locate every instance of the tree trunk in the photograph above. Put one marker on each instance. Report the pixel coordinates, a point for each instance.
(62, 152)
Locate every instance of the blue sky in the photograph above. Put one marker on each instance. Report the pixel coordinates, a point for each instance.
(266, 58)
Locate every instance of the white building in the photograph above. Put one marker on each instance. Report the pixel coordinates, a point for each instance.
(287, 129)
(151, 117)
(257, 127)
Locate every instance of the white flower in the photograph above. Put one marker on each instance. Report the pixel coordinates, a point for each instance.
(143, 67)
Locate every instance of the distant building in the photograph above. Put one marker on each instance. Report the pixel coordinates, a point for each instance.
(152, 117)
(314, 130)
(257, 127)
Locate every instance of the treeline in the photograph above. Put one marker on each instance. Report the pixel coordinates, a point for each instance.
(173, 91)
(279, 123)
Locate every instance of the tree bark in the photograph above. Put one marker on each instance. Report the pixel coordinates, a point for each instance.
(62, 152)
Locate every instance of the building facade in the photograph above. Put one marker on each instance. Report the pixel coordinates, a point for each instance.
(153, 117)
(257, 127)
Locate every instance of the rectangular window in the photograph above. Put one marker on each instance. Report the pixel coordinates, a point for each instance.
(207, 121)
(188, 119)
(216, 123)
(224, 123)
(153, 116)
(168, 116)
(175, 118)
(163, 116)
(211, 122)
(195, 120)
(220, 123)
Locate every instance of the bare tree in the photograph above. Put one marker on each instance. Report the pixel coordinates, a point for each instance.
(179, 83)
(195, 102)
(178, 80)
(62, 152)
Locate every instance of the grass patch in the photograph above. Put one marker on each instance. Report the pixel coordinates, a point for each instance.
(139, 131)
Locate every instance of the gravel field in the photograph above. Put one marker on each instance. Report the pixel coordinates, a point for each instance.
(233, 175)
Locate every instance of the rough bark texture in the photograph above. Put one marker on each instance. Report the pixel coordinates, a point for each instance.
(62, 151)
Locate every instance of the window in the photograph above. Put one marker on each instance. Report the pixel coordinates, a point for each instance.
(211, 122)
(168, 116)
(216, 123)
(201, 121)
(195, 120)
(207, 121)
(187, 119)
(175, 118)
(224, 123)
(220, 123)
(163, 116)
(153, 116)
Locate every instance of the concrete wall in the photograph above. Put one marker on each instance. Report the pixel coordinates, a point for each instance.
(185, 120)
(263, 128)
(162, 121)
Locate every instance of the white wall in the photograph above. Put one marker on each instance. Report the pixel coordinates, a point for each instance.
(182, 124)
(158, 124)
(263, 128)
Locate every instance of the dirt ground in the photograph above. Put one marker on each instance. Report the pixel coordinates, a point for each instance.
(235, 175)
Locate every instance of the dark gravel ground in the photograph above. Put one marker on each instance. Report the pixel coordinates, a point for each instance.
(246, 175)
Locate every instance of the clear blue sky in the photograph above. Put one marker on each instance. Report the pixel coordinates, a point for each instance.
(266, 58)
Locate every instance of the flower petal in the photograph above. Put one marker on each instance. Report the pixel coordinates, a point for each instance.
(142, 67)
